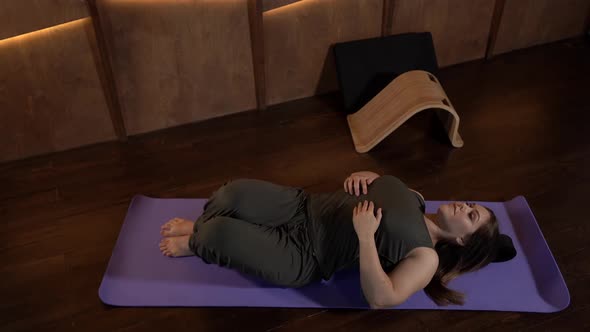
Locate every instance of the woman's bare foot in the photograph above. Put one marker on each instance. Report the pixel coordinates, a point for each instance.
(177, 227)
(176, 246)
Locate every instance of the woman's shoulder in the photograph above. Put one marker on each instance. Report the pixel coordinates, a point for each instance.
(424, 253)
(418, 194)
(421, 200)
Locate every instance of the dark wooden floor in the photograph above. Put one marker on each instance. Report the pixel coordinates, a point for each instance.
(525, 119)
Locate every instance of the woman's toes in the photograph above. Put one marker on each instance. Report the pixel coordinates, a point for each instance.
(176, 246)
(165, 229)
(169, 223)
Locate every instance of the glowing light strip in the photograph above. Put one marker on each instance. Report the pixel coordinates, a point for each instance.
(269, 5)
(44, 30)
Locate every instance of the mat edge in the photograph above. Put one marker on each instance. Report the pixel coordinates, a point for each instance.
(514, 201)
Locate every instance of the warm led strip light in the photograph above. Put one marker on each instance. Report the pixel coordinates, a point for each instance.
(269, 5)
(36, 33)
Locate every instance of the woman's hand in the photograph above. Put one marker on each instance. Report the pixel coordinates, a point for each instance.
(364, 221)
(358, 179)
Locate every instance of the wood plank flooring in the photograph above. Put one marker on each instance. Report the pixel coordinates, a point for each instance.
(525, 119)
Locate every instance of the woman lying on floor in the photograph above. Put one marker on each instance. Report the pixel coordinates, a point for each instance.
(292, 238)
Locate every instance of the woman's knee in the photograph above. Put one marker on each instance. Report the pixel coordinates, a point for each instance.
(230, 191)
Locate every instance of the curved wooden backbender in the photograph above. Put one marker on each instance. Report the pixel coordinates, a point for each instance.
(408, 94)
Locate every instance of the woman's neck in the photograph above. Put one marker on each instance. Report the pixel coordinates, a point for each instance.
(435, 232)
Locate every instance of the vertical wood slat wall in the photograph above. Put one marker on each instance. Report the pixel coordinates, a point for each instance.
(298, 55)
(105, 72)
(460, 29)
(255, 10)
(172, 69)
(168, 69)
(51, 97)
(527, 23)
(494, 27)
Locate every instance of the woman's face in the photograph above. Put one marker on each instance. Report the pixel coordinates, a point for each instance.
(461, 219)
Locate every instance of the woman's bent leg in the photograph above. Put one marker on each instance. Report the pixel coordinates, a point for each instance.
(255, 201)
(280, 255)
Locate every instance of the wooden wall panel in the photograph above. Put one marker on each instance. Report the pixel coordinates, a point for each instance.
(51, 97)
(179, 62)
(459, 28)
(18, 17)
(298, 56)
(530, 22)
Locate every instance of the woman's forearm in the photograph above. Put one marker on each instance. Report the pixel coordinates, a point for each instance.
(374, 281)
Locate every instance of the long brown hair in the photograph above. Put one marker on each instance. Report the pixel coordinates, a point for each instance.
(454, 260)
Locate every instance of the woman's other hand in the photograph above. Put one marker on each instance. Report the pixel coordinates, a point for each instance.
(364, 221)
(355, 181)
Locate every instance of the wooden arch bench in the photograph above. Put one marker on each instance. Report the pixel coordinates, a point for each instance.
(408, 94)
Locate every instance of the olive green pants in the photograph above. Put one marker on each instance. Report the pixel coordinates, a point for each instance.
(259, 228)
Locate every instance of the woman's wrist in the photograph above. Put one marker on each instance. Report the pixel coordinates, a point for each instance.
(366, 239)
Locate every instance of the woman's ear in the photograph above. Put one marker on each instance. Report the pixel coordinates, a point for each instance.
(460, 241)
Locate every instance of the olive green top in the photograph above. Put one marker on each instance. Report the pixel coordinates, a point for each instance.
(332, 233)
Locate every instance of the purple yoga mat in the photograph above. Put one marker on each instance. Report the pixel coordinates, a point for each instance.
(139, 275)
